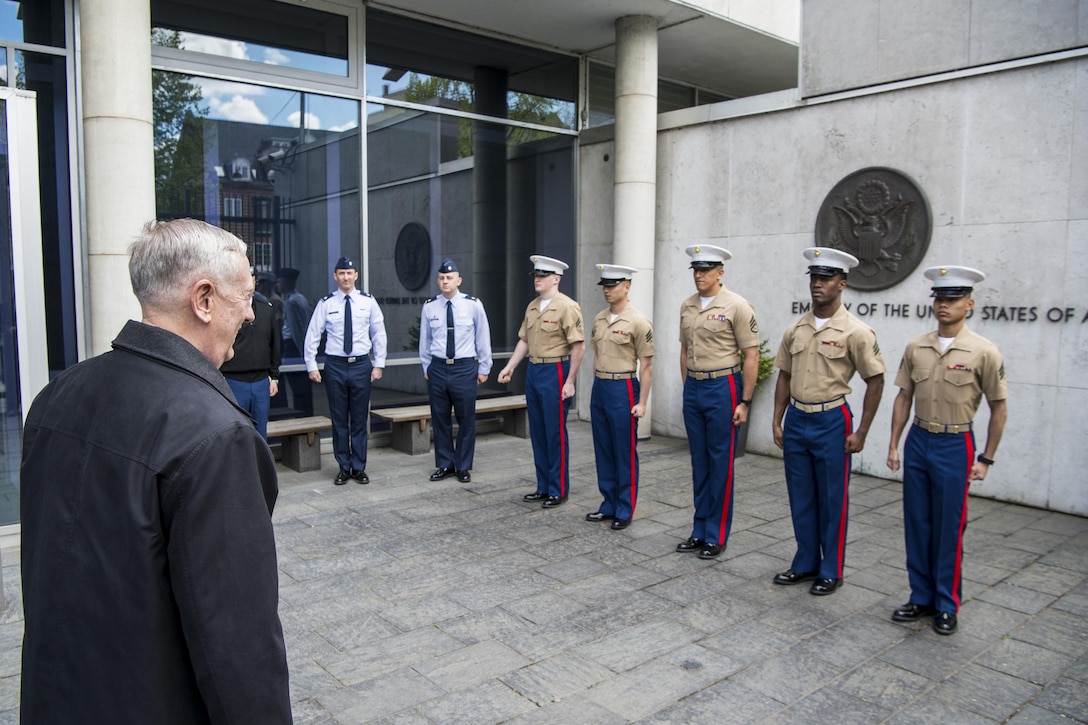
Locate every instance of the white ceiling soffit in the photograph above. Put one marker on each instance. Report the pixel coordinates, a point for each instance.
(703, 50)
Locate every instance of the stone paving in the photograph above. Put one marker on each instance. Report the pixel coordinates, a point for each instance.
(407, 601)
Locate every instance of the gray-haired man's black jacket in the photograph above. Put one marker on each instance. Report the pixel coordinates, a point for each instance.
(150, 584)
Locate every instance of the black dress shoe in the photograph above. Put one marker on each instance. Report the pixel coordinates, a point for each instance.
(342, 477)
(911, 612)
(823, 587)
(791, 577)
(944, 622)
(598, 516)
(709, 551)
(534, 496)
(361, 477)
(553, 501)
(464, 476)
(440, 473)
(692, 544)
(621, 524)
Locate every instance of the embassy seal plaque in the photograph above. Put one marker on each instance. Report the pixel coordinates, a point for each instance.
(412, 256)
(880, 216)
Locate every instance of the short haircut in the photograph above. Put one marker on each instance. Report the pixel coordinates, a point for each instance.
(168, 256)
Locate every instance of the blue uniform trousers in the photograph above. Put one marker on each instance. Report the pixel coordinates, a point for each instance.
(348, 388)
(818, 482)
(547, 413)
(452, 387)
(936, 469)
(712, 438)
(615, 434)
(254, 399)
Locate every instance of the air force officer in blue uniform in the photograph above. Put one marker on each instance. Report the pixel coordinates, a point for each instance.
(455, 349)
(354, 332)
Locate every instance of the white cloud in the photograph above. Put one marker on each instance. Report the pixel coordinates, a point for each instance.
(214, 46)
(211, 88)
(273, 56)
(312, 121)
(238, 108)
(345, 126)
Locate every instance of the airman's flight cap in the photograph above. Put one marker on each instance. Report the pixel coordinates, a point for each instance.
(827, 262)
(545, 266)
(705, 256)
(613, 274)
(951, 281)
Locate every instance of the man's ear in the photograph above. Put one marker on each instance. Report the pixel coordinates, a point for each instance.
(202, 299)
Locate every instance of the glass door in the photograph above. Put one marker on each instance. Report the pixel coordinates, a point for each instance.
(23, 361)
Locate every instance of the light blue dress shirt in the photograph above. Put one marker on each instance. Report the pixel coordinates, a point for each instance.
(471, 333)
(367, 325)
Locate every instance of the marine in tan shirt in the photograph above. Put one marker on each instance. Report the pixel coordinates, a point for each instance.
(945, 374)
(819, 355)
(623, 348)
(719, 360)
(552, 336)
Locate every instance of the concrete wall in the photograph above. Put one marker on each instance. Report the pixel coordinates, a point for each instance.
(1003, 160)
(856, 43)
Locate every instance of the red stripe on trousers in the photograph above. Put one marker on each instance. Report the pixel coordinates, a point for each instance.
(845, 495)
(970, 445)
(633, 484)
(562, 436)
(729, 472)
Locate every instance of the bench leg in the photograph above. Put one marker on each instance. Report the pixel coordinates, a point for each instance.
(412, 438)
(299, 453)
(516, 423)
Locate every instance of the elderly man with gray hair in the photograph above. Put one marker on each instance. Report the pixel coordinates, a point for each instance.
(148, 560)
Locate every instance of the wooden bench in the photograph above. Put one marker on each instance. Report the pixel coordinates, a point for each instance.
(301, 445)
(410, 433)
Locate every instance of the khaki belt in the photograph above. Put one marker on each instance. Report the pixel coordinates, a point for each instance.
(613, 376)
(818, 407)
(942, 427)
(538, 360)
(713, 374)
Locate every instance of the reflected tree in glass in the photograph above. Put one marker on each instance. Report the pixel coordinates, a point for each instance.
(179, 165)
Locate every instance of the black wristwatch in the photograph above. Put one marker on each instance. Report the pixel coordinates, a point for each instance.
(746, 402)
(984, 459)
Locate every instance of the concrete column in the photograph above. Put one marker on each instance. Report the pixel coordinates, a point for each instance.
(635, 185)
(119, 167)
(489, 261)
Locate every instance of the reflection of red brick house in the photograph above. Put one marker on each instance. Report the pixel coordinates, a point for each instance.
(241, 196)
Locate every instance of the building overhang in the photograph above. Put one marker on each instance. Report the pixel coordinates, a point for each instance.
(695, 47)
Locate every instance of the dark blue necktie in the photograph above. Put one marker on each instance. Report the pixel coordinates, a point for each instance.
(347, 325)
(449, 330)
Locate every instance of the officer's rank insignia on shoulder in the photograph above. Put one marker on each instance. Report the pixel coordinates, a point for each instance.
(752, 325)
(366, 294)
(470, 297)
(329, 296)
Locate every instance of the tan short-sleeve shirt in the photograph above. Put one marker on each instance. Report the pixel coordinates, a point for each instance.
(550, 332)
(715, 335)
(948, 387)
(821, 364)
(618, 344)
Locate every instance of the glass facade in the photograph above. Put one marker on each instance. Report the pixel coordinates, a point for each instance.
(11, 419)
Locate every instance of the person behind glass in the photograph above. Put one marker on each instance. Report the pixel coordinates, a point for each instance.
(719, 360)
(455, 350)
(552, 337)
(253, 373)
(266, 286)
(354, 331)
(817, 359)
(946, 372)
(622, 340)
(296, 317)
(150, 584)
